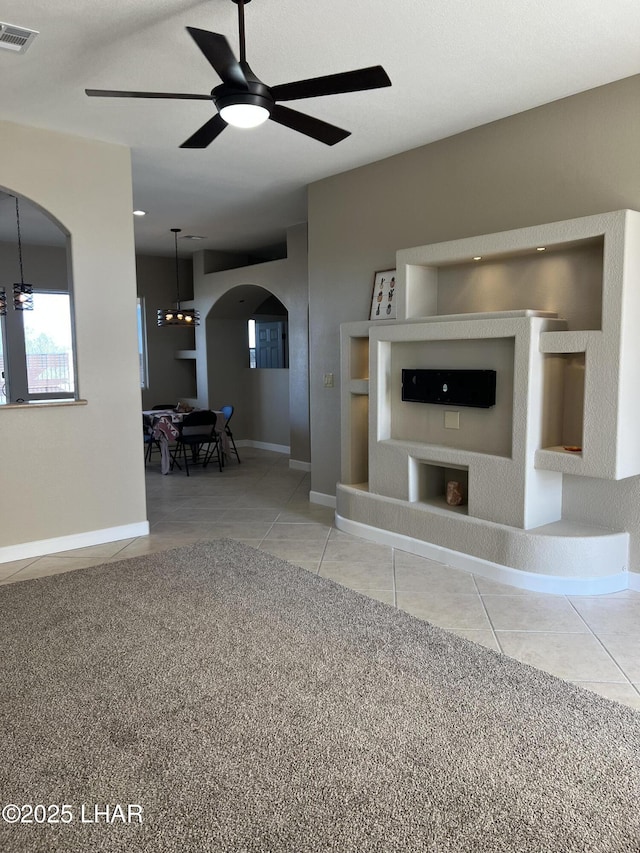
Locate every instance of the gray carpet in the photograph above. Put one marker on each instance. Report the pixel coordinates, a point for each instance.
(248, 705)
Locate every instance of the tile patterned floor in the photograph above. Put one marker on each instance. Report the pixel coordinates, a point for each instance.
(593, 641)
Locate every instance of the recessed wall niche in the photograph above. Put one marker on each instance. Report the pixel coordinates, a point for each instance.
(480, 430)
(567, 281)
(428, 484)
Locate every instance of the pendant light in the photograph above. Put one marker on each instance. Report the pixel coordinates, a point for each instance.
(22, 293)
(178, 316)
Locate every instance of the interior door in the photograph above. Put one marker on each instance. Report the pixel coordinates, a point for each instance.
(270, 344)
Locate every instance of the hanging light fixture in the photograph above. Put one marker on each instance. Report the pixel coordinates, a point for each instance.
(3, 302)
(22, 293)
(178, 316)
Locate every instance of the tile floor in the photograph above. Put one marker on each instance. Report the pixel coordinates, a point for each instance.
(593, 641)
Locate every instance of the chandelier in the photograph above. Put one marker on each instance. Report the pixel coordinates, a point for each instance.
(178, 316)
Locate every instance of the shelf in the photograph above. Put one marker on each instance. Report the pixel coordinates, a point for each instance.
(440, 503)
(488, 315)
(562, 449)
(565, 342)
(359, 386)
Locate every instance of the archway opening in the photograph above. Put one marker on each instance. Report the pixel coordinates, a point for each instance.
(37, 346)
(251, 371)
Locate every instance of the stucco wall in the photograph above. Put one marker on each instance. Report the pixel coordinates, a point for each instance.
(76, 469)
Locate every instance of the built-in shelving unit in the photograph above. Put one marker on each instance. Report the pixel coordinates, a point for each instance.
(553, 310)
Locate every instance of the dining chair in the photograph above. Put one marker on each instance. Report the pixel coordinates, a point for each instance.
(150, 442)
(227, 411)
(197, 431)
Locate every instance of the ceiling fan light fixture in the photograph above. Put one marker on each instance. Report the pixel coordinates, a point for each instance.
(243, 100)
(244, 115)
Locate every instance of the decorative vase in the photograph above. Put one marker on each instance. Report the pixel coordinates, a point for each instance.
(454, 493)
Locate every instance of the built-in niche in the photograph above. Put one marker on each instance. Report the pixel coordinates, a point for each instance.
(483, 430)
(428, 484)
(563, 402)
(359, 358)
(564, 278)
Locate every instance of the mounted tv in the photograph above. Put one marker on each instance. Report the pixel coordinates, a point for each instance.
(475, 388)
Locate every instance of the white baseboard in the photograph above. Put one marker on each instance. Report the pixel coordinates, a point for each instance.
(634, 581)
(322, 499)
(296, 465)
(39, 548)
(263, 445)
(493, 571)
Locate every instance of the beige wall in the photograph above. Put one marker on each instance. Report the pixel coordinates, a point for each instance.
(570, 158)
(70, 470)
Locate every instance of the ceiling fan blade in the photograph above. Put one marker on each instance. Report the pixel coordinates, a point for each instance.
(374, 77)
(115, 93)
(314, 127)
(207, 133)
(219, 54)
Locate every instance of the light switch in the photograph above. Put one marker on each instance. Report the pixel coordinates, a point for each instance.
(452, 420)
(327, 380)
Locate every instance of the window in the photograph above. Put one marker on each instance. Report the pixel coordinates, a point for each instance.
(37, 351)
(142, 345)
(252, 342)
(3, 394)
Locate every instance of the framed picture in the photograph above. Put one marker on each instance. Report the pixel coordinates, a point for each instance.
(383, 299)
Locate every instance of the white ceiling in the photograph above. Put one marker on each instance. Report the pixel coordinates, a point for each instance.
(454, 65)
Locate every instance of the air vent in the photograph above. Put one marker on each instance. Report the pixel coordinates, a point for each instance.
(15, 38)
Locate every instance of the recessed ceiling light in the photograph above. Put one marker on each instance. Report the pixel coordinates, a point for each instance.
(139, 212)
(541, 249)
(192, 237)
(478, 258)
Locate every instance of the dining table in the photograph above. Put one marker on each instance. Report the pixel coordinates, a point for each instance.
(165, 426)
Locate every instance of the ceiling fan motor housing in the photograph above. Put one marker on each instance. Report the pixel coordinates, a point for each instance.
(257, 95)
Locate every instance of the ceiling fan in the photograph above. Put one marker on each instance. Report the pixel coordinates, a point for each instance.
(243, 100)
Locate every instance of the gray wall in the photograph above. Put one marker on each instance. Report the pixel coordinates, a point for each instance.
(170, 379)
(570, 158)
(272, 406)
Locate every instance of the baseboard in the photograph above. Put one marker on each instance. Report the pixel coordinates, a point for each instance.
(263, 445)
(555, 585)
(39, 548)
(634, 581)
(322, 499)
(297, 465)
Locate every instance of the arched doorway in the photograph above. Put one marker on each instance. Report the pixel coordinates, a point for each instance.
(251, 372)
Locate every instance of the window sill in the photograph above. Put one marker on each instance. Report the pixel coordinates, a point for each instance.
(43, 404)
